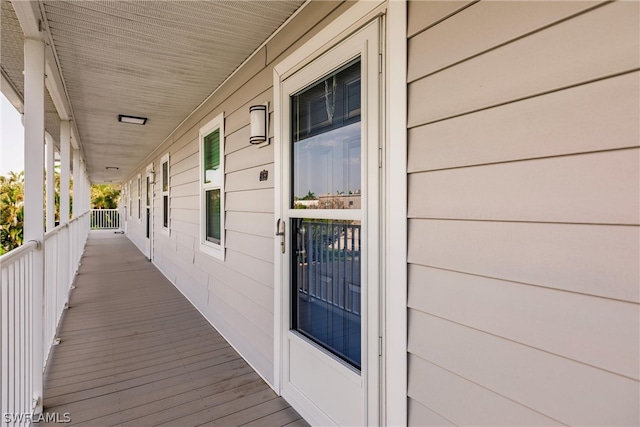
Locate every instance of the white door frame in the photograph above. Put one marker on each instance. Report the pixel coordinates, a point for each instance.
(337, 31)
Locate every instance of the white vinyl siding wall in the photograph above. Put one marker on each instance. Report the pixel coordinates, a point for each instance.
(523, 206)
(236, 295)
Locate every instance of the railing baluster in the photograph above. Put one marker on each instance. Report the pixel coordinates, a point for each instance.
(105, 219)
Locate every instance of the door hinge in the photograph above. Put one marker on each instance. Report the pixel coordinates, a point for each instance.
(379, 157)
(379, 63)
(379, 346)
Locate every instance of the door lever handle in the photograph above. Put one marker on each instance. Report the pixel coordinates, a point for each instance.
(281, 233)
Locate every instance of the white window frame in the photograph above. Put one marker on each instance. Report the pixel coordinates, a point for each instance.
(212, 249)
(165, 159)
(139, 199)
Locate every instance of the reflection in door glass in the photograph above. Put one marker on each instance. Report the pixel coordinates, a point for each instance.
(326, 142)
(326, 174)
(326, 284)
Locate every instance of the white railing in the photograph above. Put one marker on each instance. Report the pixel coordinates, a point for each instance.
(19, 333)
(328, 258)
(63, 247)
(105, 219)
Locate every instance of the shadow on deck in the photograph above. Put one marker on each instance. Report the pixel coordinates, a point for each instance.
(134, 351)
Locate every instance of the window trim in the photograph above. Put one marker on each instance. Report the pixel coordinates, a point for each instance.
(165, 159)
(209, 248)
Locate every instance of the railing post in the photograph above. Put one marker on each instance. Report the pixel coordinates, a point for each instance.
(34, 64)
(76, 184)
(51, 200)
(65, 168)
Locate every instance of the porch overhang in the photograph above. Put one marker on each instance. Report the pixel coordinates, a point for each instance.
(158, 60)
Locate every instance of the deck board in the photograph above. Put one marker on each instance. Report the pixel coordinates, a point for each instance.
(134, 351)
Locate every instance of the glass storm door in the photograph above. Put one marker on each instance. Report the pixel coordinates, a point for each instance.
(329, 186)
(148, 213)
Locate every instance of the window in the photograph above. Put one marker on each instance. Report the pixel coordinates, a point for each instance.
(165, 193)
(212, 188)
(139, 201)
(130, 200)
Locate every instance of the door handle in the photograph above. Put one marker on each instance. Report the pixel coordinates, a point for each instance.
(281, 233)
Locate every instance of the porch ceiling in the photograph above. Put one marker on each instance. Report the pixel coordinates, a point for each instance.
(154, 59)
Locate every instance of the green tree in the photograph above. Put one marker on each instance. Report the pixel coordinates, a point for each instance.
(309, 196)
(11, 211)
(105, 196)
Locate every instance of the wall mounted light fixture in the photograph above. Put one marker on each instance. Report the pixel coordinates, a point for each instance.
(259, 124)
(132, 119)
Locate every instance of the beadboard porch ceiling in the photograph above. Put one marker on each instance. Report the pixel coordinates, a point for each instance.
(153, 59)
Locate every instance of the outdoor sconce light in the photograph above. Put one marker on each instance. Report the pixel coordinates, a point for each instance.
(259, 124)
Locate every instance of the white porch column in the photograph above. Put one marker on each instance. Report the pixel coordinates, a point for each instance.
(65, 167)
(85, 187)
(76, 184)
(34, 61)
(87, 197)
(51, 192)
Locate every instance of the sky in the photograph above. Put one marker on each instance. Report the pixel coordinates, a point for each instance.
(11, 138)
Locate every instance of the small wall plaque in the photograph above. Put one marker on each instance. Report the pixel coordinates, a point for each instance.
(264, 175)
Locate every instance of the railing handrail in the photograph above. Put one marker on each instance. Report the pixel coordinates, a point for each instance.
(17, 252)
(79, 216)
(56, 230)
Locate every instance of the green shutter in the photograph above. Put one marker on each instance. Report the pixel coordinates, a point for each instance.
(211, 153)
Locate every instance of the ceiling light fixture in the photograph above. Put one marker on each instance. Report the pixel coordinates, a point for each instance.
(132, 119)
(112, 168)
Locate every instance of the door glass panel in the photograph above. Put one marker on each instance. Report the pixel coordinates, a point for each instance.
(326, 284)
(326, 174)
(326, 142)
(148, 207)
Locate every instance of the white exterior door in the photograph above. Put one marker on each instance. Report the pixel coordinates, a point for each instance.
(329, 228)
(148, 211)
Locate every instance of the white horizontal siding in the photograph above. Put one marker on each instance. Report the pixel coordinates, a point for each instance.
(604, 332)
(257, 223)
(445, 389)
(584, 48)
(424, 14)
(420, 415)
(574, 189)
(523, 209)
(560, 388)
(599, 260)
(497, 22)
(592, 117)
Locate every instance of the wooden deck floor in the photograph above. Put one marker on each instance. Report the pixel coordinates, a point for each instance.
(135, 352)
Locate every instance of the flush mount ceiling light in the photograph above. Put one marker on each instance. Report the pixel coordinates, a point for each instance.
(132, 119)
(112, 168)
